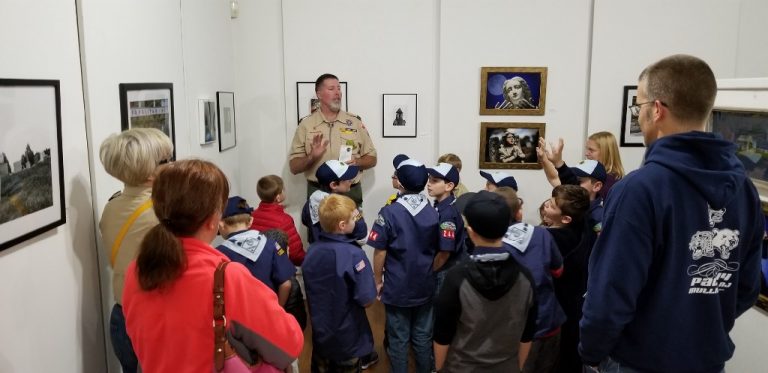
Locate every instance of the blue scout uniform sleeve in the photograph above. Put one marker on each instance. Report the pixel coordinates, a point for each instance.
(448, 232)
(361, 229)
(305, 218)
(380, 231)
(360, 274)
(282, 268)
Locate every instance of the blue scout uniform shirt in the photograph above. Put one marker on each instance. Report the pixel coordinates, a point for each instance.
(265, 258)
(451, 230)
(535, 249)
(310, 217)
(339, 282)
(596, 214)
(408, 230)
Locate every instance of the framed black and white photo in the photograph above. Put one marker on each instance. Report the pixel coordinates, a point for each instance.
(206, 113)
(31, 162)
(510, 145)
(226, 113)
(513, 90)
(630, 127)
(148, 105)
(307, 101)
(399, 115)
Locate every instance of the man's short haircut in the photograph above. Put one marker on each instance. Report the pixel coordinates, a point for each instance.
(510, 196)
(685, 84)
(269, 187)
(334, 209)
(323, 78)
(451, 159)
(236, 219)
(572, 200)
(132, 156)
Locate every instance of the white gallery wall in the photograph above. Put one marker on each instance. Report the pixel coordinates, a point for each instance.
(50, 314)
(56, 288)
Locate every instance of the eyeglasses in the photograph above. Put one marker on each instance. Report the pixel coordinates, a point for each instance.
(635, 109)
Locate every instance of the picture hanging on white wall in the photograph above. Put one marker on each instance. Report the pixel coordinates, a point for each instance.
(399, 115)
(226, 113)
(307, 101)
(207, 120)
(513, 90)
(31, 162)
(510, 145)
(630, 127)
(148, 105)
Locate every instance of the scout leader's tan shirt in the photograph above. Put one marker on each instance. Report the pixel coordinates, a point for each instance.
(116, 213)
(346, 130)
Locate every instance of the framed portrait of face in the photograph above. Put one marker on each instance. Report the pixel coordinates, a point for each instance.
(510, 145)
(513, 90)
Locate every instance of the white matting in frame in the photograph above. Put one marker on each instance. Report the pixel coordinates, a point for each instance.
(226, 113)
(399, 115)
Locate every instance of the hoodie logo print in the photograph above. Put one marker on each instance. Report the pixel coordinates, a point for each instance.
(712, 277)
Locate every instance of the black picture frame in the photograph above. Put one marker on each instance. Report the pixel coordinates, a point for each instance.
(148, 105)
(305, 99)
(399, 115)
(227, 127)
(32, 197)
(631, 136)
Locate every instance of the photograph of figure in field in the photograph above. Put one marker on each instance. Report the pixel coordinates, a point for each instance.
(25, 178)
(509, 145)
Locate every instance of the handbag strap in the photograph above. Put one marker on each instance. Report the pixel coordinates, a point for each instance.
(124, 230)
(219, 320)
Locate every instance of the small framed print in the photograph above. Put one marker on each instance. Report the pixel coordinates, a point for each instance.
(206, 112)
(225, 109)
(399, 115)
(513, 90)
(510, 145)
(630, 127)
(148, 105)
(307, 101)
(31, 162)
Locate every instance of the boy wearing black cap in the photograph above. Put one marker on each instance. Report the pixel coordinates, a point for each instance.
(264, 258)
(485, 315)
(334, 177)
(443, 179)
(404, 237)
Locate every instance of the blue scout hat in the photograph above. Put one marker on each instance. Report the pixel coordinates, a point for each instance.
(411, 173)
(235, 206)
(590, 168)
(488, 214)
(500, 179)
(445, 171)
(334, 170)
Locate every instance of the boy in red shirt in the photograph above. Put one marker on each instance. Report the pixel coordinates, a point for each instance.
(271, 215)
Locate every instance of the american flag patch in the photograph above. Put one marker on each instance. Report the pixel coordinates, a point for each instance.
(360, 266)
(373, 235)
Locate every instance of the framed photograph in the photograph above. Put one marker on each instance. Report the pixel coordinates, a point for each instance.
(307, 101)
(206, 116)
(226, 113)
(630, 127)
(31, 162)
(399, 114)
(510, 145)
(148, 105)
(513, 90)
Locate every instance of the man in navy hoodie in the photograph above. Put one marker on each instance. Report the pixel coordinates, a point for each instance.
(679, 255)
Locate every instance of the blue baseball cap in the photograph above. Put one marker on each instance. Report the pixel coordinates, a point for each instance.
(445, 171)
(411, 173)
(235, 206)
(590, 168)
(500, 179)
(335, 170)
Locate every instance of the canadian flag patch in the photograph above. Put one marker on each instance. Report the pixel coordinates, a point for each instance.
(373, 235)
(360, 266)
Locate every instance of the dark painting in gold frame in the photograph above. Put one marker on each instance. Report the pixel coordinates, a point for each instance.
(509, 145)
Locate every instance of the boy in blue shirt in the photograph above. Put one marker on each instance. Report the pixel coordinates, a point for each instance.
(339, 283)
(443, 179)
(405, 241)
(266, 260)
(535, 249)
(334, 177)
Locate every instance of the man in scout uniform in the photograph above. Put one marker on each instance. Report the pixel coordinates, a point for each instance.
(331, 133)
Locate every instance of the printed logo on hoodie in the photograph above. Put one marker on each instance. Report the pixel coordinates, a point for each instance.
(714, 247)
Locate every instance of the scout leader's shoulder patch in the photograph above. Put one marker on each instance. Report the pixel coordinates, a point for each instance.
(448, 229)
(380, 221)
(279, 249)
(360, 266)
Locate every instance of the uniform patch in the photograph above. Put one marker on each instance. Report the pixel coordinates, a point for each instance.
(373, 236)
(448, 225)
(349, 122)
(279, 249)
(450, 234)
(360, 266)
(380, 221)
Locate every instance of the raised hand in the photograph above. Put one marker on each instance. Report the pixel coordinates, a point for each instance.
(319, 145)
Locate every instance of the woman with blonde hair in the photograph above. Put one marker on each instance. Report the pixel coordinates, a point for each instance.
(169, 289)
(132, 157)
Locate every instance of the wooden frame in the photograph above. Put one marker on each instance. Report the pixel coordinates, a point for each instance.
(31, 160)
(148, 105)
(399, 115)
(521, 140)
(513, 90)
(631, 136)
